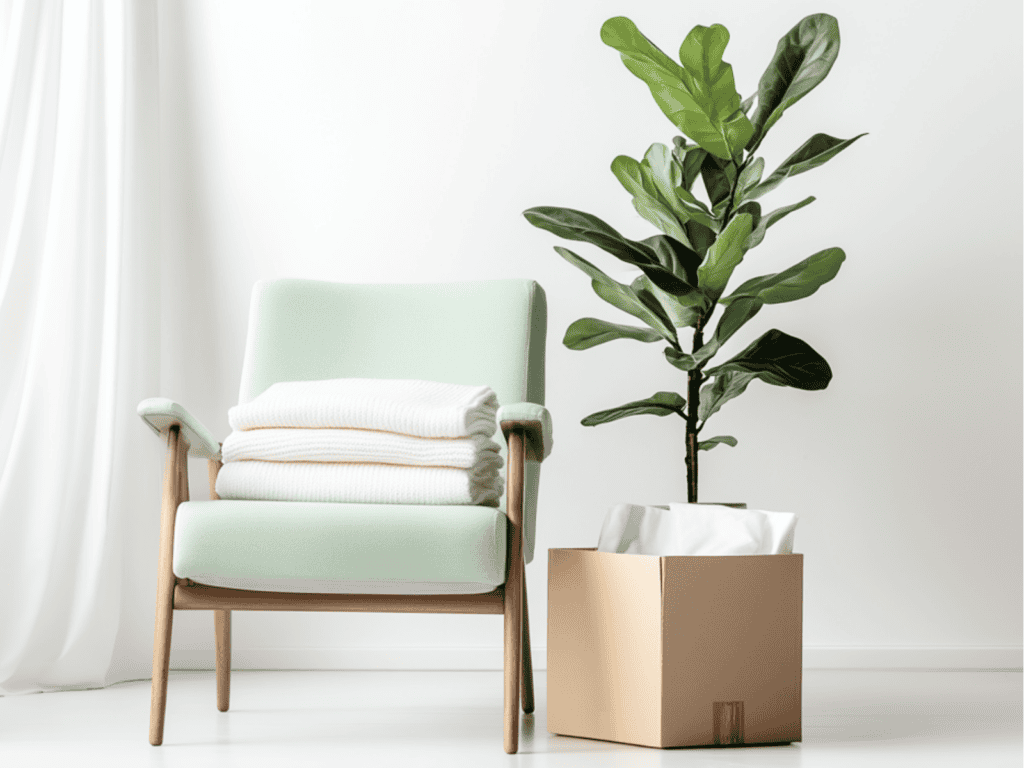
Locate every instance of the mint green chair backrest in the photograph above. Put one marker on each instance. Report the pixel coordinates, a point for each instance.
(488, 332)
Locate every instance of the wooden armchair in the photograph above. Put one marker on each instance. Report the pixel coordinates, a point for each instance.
(226, 556)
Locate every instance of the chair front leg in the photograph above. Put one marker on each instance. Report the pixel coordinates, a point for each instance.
(514, 588)
(175, 491)
(526, 674)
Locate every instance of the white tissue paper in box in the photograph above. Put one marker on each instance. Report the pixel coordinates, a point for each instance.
(696, 529)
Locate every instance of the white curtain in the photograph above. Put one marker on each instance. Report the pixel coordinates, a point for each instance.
(79, 329)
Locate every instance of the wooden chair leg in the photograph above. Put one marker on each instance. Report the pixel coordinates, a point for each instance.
(514, 588)
(175, 490)
(526, 675)
(222, 630)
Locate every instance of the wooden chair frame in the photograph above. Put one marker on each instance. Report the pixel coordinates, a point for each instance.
(524, 442)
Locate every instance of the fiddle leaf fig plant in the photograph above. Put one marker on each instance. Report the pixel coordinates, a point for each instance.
(686, 270)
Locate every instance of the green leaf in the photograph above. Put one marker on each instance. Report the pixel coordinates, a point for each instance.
(760, 227)
(723, 256)
(682, 311)
(735, 317)
(690, 160)
(577, 225)
(678, 259)
(619, 295)
(748, 179)
(646, 200)
(707, 445)
(802, 59)
(718, 178)
(817, 150)
(661, 171)
(797, 282)
(588, 332)
(725, 387)
(747, 103)
(700, 97)
(659, 404)
(754, 209)
(680, 360)
(701, 237)
(783, 360)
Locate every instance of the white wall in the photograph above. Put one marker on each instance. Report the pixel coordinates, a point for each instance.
(399, 141)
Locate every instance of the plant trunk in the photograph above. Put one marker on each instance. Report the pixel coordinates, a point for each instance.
(692, 406)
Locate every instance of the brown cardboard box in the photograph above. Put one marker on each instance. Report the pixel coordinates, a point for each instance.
(674, 651)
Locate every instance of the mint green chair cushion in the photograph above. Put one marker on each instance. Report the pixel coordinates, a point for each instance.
(349, 548)
(486, 332)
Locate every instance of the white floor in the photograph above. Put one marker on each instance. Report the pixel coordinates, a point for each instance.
(851, 718)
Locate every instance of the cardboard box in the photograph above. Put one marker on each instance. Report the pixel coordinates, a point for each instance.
(674, 651)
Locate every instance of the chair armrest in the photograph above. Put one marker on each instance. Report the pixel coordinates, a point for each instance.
(161, 414)
(535, 420)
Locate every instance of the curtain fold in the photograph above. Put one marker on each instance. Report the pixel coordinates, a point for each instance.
(79, 327)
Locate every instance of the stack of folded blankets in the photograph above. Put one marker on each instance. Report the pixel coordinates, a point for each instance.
(375, 441)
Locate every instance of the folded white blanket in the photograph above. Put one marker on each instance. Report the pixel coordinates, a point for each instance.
(696, 529)
(406, 406)
(361, 446)
(358, 483)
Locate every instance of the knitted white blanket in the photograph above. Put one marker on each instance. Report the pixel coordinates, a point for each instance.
(405, 406)
(358, 483)
(360, 446)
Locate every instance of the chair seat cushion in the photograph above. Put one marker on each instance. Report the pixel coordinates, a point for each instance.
(287, 546)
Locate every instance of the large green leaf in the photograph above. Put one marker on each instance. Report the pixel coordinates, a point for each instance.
(700, 97)
(661, 171)
(659, 404)
(646, 200)
(724, 255)
(802, 59)
(780, 359)
(761, 224)
(701, 237)
(577, 225)
(817, 150)
(619, 295)
(675, 257)
(588, 332)
(735, 317)
(683, 311)
(725, 387)
(711, 442)
(797, 282)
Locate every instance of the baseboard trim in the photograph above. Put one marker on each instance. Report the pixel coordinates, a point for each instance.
(454, 658)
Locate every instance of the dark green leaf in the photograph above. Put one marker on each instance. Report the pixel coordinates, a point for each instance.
(690, 159)
(701, 237)
(659, 404)
(817, 150)
(802, 59)
(735, 317)
(725, 387)
(707, 445)
(754, 209)
(577, 225)
(588, 332)
(718, 178)
(797, 282)
(682, 311)
(699, 98)
(783, 360)
(747, 103)
(675, 257)
(723, 256)
(619, 295)
(680, 360)
(757, 235)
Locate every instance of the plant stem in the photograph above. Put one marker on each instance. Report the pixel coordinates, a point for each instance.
(693, 404)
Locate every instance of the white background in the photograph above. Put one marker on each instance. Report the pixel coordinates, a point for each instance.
(400, 142)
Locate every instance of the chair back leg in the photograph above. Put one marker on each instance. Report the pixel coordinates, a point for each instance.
(222, 630)
(514, 588)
